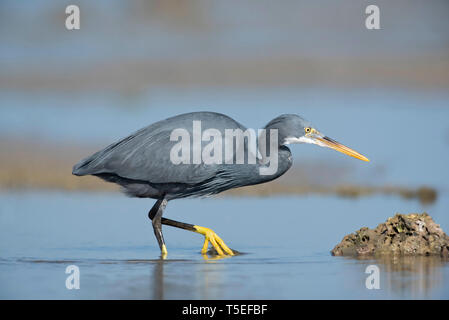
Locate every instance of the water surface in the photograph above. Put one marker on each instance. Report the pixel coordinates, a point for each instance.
(286, 241)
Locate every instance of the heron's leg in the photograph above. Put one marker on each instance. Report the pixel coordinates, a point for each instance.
(155, 215)
(209, 236)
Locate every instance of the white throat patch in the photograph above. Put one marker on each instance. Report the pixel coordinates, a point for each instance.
(303, 139)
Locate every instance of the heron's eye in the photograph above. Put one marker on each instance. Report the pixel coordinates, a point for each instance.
(307, 130)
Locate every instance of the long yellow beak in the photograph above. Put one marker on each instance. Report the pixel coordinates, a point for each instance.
(330, 143)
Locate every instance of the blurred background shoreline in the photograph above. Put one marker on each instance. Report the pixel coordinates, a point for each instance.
(28, 167)
(134, 75)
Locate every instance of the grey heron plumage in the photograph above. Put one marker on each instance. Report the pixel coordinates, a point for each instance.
(142, 163)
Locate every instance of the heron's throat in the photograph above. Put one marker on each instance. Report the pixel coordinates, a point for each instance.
(303, 139)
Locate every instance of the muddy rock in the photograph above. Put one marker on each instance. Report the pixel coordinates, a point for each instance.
(407, 235)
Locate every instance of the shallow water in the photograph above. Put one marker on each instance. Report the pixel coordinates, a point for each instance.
(286, 241)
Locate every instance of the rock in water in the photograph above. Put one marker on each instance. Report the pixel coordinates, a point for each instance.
(410, 235)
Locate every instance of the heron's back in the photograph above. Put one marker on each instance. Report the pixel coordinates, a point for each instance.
(141, 162)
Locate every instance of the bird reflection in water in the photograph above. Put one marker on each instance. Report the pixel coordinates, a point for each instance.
(208, 279)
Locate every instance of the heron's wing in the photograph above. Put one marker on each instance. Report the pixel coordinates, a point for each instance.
(145, 155)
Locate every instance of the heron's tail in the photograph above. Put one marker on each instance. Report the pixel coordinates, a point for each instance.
(81, 168)
(87, 165)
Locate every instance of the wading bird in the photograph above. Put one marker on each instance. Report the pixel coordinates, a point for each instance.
(143, 164)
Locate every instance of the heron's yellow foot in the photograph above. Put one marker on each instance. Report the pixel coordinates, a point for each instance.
(215, 240)
(164, 252)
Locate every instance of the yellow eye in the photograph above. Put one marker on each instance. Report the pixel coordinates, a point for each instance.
(307, 130)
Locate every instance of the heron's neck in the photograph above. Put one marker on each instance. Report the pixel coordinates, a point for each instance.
(252, 175)
(268, 171)
(276, 127)
(284, 162)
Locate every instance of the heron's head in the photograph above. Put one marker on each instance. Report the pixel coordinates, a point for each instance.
(295, 129)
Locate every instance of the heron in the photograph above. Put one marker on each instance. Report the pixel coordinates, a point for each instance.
(142, 163)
